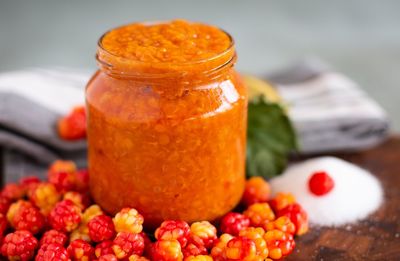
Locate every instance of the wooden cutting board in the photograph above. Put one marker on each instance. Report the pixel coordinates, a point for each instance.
(377, 237)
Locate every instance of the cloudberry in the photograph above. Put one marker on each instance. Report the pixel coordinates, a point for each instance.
(15, 208)
(28, 218)
(282, 223)
(53, 236)
(45, 197)
(19, 245)
(257, 190)
(167, 250)
(109, 257)
(4, 204)
(91, 212)
(282, 200)
(13, 191)
(280, 244)
(259, 213)
(104, 248)
(80, 250)
(240, 249)
(128, 220)
(298, 216)
(81, 232)
(217, 252)
(65, 216)
(203, 233)
(192, 249)
(73, 125)
(126, 244)
(233, 222)
(199, 258)
(81, 200)
(52, 251)
(101, 228)
(174, 229)
(29, 184)
(137, 258)
(3, 224)
(256, 235)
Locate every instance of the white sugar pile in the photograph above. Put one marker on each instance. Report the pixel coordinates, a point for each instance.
(356, 193)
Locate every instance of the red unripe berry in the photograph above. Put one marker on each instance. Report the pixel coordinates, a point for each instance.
(174, 229)
(320, 183)
(101, 228)
(126, 244)
(233, 222)
(53, 251)
(104, 248)
(19, 245)
(80, 250)
(65, 216)
(53, 236)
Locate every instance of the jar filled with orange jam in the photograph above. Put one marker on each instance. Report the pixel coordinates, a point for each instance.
(167, 116)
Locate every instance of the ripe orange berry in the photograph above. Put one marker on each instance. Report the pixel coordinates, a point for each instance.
(297, 215)
(199, 258)
(45, 197)
(280, 244)
(137, 258)
(282, 200)
(128, 220)
(240, 249)
(257, 190)
(259, 213)
(166, 250)
(217, 252)
(203, 233)
(282, 223)
(256, 234)
(91, 212)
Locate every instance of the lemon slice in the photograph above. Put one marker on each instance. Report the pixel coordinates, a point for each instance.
(257, 86)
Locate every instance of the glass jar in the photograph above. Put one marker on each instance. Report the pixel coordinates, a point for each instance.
(168, 139)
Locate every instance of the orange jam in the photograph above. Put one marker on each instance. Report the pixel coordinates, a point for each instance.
(167, 119)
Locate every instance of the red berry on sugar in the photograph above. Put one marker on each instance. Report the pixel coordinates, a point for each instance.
(203, 233)
(128, 220)
(240, 249)
(297, 215)
(45, 196)
(53, 236)
(53, 251)
(80, 250)
(13, 191)
(281, 200)
(101, 228)
(65, 216)
(126, 244)
(73, 125)
(104, 248)
(280, 244)
(166, 250)
(174, 229)
(19, 245)
(320, 183)
(192, 249)
(259, 213)
(233, 222)
(109, 257)
(257, 190)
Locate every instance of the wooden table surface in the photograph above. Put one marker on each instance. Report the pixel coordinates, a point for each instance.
(377, 237)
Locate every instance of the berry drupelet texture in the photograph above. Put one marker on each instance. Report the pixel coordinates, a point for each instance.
(233, 222)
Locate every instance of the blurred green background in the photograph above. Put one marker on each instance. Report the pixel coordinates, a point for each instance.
(358, 38)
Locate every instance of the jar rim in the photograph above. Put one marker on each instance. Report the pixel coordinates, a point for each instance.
(102, 54)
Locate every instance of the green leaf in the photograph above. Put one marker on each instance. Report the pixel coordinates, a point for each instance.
(270, 138)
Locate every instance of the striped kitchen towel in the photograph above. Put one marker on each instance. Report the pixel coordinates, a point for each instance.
(329, 111)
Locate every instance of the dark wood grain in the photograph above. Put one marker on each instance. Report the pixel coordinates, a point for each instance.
(377, 237)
